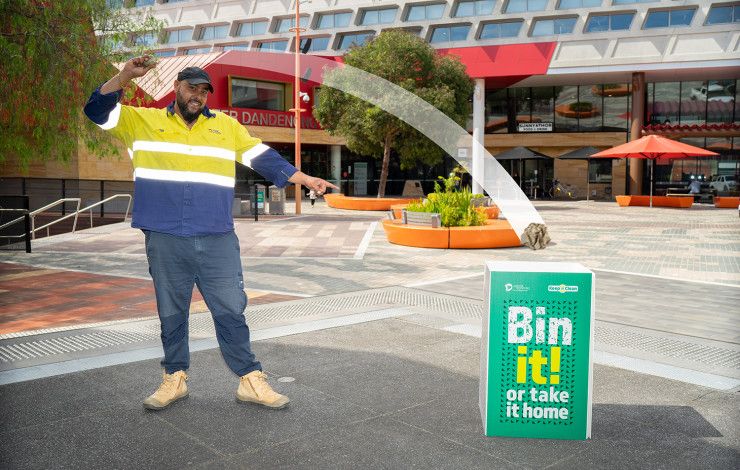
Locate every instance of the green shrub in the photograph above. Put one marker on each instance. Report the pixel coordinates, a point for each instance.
(453, 206)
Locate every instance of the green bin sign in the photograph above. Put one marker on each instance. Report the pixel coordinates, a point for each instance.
(537, 350)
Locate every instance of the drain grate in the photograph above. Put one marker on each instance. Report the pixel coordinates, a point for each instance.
(668, 347)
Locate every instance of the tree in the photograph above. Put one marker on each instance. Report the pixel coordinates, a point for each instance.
(52, 55)
(409, 62)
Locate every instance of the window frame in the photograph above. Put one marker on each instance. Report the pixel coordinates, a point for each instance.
(241, 24)
(609, 15)
(484, 24)
(454, 12)
(410, 6)
(323, 36)
(278, 21)
(731, 5)
(202, 29)
(559, 7)
(360, 17)
(505, 8)
(535, 20)
(433, 29)
(258, 45)
(286, 88)
(177, 30)
(670, 13)
(340, 37)
(318, 16)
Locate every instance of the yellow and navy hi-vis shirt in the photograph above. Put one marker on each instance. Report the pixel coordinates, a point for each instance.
(184, 178)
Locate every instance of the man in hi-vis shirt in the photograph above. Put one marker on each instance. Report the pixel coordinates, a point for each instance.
(184, 174)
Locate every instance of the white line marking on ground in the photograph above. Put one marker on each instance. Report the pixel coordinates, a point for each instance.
(360, 253)
(711, 283)
(438, 281)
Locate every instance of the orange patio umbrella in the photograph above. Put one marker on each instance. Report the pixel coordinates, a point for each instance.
(654, 147)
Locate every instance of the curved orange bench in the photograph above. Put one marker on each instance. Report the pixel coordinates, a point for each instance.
(683, 202)
(495, 234)
(340, 201)
(725, 202)
(491, 211)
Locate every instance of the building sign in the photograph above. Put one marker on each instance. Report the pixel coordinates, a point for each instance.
(536, 351)
(534, 127)
(260, 117)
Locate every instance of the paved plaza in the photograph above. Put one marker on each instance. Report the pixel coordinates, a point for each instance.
(377, 345)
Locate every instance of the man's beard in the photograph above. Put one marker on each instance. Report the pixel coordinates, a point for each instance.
(185, 112)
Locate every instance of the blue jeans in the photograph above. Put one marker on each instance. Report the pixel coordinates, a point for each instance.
(211, 262)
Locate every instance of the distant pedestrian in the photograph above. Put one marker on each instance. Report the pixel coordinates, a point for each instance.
(695, 187)
(184, 174)
(312, 197)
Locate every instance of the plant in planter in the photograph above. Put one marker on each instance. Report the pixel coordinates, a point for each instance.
(454, 207)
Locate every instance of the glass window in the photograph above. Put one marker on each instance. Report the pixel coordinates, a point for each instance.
(143, 3)
(274, 46)
(349, 40)
(543, 104)
(449, 33)
(474, 8)
(384, 16)
(148, 39)
(257, 95)
(666, 18)
(214, 32)
(694, 102)
(197, 50)
(519, 6)
(615, 22)
(720, 100)
(504, 29)
(426, 12)
(314, 44)
(252, 28)
(334, 20)
(663, 102)
(168, 53)
(616, 97)
(589, 108)
(724, 14)
(567, 4)
(600, 170)
(627, 2)
(566, 118)
(553, 27)
(180, 35)
(522, 104)
(284, 24)
(497, 111)
(235, 47)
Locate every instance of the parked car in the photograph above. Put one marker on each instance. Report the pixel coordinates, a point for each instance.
(723, 183)
(714, 92)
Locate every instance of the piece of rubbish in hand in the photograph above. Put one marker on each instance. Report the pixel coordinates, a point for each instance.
(152, 60)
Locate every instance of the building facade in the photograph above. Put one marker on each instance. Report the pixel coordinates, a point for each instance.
(550, 75)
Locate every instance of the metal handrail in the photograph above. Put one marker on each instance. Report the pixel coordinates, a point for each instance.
(14, 221)
(115, 196)
(48, 206)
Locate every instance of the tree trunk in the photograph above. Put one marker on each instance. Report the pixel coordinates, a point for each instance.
(384, 167)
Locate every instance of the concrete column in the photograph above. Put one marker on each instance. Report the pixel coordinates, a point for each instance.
(637, 114)
(336, 165)
(479, 119)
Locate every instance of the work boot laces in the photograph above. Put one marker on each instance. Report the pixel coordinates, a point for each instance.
(169, 384)
(259, 384)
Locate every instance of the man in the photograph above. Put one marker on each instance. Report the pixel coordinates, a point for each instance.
(183, 158)
(695, 187)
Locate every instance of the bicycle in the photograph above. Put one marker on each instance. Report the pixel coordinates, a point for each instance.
(558, 189)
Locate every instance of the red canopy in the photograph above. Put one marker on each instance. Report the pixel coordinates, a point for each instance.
(654, 147)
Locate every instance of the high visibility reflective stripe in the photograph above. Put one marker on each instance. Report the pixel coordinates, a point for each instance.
(113, 118)
(130, 153)
(255, 151)
(184, 176)
(194, 150)
(181, 162)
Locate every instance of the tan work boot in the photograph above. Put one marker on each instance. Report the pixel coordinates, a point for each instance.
(173, 388)
(253, 388)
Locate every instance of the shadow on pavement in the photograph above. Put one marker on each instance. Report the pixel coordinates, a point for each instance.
(349, 409)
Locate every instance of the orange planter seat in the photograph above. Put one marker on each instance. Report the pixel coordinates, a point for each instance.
(340, 201)
(724, 202)
(683, 202)
(495, 234)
